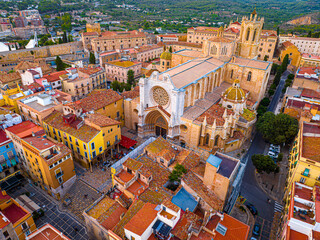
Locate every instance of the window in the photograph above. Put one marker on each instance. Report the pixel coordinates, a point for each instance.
(71, 146)
(108, 143)
(92, 146)
(100, 149)
(302, 180)
(70, 139)
(84, 146)
(118, 114)
(231, 74)
(24, 226)
(94, 154)
(249, 76)
(7, 146)
(248, 34)
(86, 154)
(6, 234)
(78, 150)
(116, 137)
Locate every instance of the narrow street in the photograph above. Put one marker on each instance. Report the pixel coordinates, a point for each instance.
(250, 188)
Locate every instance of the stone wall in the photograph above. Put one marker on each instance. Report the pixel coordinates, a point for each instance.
(41, 52)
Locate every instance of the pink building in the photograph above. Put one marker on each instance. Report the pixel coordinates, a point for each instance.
(118, 70)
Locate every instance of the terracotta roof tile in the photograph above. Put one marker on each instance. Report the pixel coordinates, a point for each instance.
(214, 113)
(52, 77)
(101, 120)
(132, 164)
(132, 211)
(89, 70)
(97, 99)
(85, 133)
(205, 193)
(142, 219)
(9, 77)
(181, 229)
(236, 230)
(134, 93)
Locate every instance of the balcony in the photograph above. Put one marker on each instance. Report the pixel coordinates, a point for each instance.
(306, 173)
(60, 174)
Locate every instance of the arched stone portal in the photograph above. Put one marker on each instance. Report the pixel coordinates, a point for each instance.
(156, 122)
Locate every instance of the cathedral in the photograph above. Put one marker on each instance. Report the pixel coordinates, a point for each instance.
(205, 99)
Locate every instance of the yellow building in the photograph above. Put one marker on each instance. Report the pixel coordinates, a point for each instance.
(304, 157)
(104, 101)
(89, 139)
(11, 97)
(293, 52)
(50, 164)
(93, 27)
(15, 221)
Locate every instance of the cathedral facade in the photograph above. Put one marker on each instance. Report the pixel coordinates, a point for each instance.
(205, 99)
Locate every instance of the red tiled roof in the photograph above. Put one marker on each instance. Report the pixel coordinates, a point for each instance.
(181, 229)
(113, 216)
(47, 232)
(237, 23)
(89, 33)
(97, 99)
(236, 230)
(100, 120)
(214, 113)
(39, 143)
(24, 129)
(89, 70)
(287, 44)
(142, 220)
(3, 137)
(308, 70)
(52, 77)
(14, 213)
(169, 35)
(132, 93)
(309, 93)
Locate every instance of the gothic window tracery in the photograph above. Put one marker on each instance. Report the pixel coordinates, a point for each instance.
(248, 34)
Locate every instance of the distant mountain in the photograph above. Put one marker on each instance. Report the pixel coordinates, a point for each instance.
(309, 19)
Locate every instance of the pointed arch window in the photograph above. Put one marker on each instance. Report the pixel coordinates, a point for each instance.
(249, 76)
(207, 139)
(231, 74)
(254, 34)
(216, 140)
(248, 34)
(214, 50)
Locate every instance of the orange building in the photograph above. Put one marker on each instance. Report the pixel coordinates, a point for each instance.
(16, 223)
(47, 232)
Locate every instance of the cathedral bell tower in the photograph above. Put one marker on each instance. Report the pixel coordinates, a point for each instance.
(250, 35)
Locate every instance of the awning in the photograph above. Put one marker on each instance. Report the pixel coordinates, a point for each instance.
(13, 162)
(127, 142)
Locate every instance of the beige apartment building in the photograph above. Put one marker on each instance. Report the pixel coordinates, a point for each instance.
(118, 40)
(118, 70)
(37, 106)
(304, 44)
(268, 43)
(87, 80)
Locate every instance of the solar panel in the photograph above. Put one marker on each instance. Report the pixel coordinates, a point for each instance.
(221, 229)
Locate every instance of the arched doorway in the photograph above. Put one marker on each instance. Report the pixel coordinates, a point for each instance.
(156, 122)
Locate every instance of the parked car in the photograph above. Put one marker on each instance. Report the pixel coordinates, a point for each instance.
(272, 154)
(253, 238)
(275, 147)
(252, 209)
(256, 230)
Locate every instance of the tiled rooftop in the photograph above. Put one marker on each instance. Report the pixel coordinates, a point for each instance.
(132, 164)
(102, 206)
(52, 77)
(89, 70)
(14, 213)
(132, 211)
(47, 232)
(215, 113)
(142, 219)
(132, 94)
(97, 99)
(181, 229)
(101, 120)
(310, 148)
(112, 216)
(236, 230)
(25, 129)
(205, 193)
(85, 133)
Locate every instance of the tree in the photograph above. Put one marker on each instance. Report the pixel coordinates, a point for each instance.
(277, 129)
(177, 172)
(271, 92)
(264, 163)
(170, 49)
(265, 58)
(60, 64)
(130, 77)
(115, 86)
(265, 102)
(64, 37)
(280, 157)
(309, 34)
(60, 40)
(278, 31)
(92, 59)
